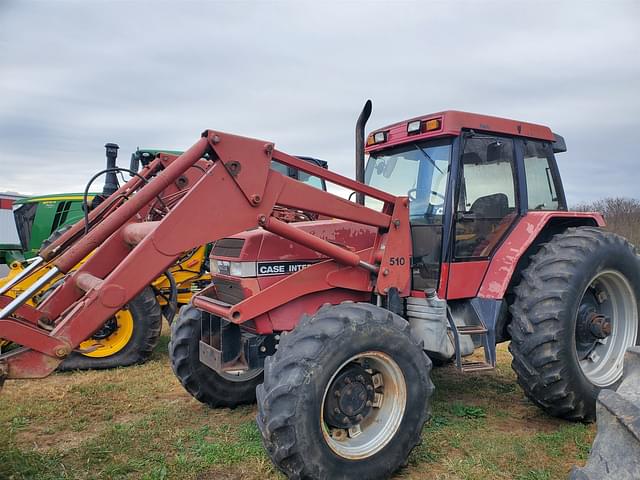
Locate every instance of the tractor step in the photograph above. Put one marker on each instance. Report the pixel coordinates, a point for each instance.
(475, 366)
(484, 334)
(471, 330)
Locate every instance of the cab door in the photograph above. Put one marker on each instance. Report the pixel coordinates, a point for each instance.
(486, 206)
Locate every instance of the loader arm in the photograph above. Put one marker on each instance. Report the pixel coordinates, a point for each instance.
(134, 240)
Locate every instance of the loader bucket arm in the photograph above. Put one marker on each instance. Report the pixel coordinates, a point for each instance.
(132, 242)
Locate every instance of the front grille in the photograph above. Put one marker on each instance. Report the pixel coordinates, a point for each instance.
(228, 247)
(229, 291)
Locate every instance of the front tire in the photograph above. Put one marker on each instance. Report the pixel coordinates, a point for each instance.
(574, 315)
(205, 385)
(345, 396)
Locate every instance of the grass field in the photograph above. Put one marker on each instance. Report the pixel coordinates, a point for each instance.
(139, 423)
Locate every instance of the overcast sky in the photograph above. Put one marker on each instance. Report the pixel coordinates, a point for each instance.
(74, 75)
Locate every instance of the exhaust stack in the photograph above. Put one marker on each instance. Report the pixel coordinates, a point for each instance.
(360, 124)
(111, 180)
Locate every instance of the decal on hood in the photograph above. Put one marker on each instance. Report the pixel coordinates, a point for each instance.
(282, 268)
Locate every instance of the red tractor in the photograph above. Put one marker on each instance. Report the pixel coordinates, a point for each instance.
(459, 238)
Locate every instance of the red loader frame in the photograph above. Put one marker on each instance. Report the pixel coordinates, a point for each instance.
(174, 206)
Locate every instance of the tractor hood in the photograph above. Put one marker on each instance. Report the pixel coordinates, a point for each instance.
(261, 253)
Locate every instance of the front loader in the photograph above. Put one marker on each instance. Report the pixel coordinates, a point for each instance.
(129, 336)
(459, 238)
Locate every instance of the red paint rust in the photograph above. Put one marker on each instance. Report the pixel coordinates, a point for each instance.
(506, 258)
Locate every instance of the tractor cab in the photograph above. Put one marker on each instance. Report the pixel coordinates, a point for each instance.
(469, 179)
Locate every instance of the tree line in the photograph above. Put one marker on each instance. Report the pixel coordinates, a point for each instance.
(621, 214)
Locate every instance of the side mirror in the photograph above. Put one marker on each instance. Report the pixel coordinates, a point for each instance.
(558, 145)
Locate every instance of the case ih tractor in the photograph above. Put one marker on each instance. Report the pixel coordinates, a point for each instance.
(459, 238)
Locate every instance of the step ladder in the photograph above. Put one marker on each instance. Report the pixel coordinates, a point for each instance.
(481, 330)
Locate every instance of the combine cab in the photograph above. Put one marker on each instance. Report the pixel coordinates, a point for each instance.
(459, 239)
(9, 239)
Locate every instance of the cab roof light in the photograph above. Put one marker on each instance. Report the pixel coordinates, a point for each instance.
(414, 127)
(376, 138)
(433, 124)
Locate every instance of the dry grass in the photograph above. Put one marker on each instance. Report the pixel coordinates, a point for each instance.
(139, 423)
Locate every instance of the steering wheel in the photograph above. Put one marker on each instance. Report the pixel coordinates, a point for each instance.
(427, 207)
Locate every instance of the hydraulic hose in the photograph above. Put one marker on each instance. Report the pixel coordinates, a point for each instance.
(169, 311)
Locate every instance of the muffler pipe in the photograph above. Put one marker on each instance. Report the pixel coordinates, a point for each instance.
(28, 293)
(128, 209)
(23, 274)
(111, 180)
(360, 124)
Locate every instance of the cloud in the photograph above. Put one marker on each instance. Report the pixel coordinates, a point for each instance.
(74, 75)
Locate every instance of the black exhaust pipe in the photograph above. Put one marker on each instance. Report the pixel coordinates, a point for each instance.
(111, 180)
(360, 124)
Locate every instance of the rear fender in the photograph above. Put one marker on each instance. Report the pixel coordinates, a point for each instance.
(513, 256)
(522, 242)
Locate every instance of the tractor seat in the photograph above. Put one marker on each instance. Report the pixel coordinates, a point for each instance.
(493, 219)
(494, 206)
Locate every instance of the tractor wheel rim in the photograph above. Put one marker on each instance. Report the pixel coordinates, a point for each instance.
(616, 301)
(381, 424)
(241, 375)
(113, 343)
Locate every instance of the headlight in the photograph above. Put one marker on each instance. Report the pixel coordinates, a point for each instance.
(242, 269)
(233, 269)
(213, 267)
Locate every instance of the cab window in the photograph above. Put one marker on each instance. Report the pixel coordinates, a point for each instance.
(541, 190)
(418, 171)
(487, 201)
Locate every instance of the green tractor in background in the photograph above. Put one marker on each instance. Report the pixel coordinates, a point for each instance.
(38, 217)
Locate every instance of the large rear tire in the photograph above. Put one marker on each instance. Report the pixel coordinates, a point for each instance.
(127, 339)
(345, 396)
(575, 314)
(204, 384)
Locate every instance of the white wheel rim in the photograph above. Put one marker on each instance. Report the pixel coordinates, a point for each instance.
(241, 375)
(604, 365)
(378, 428)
